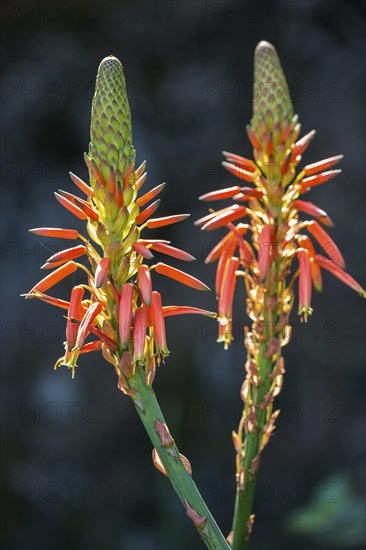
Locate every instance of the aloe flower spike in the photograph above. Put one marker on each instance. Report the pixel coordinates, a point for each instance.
(117, 307)
(280, 252)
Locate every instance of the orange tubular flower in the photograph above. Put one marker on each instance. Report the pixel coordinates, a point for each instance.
(305, 283)
(281, 253)
(225, 307)
(125, 314)
(158, 324)
(121, 310)
(145, 284)
(75, 313)
(86, 323)
(55, 232)
(180, 276)
(139, 333)
(64, 256)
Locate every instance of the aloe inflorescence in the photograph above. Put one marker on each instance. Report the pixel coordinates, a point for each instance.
(116, 311)
(272, 248)
(117, 307)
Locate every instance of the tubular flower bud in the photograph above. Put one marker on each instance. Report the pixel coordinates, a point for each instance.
(55, 232)
(145, 284)
(119, 302)
(101, 272)
(87, 322)
(125, 313)
(64, 256)
(305, 283)
(139, 334)
(158, 324)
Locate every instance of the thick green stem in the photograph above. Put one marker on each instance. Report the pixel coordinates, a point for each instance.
(248, 468)
(153, 420)
(261, 409)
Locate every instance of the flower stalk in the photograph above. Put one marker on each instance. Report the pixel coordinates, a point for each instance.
(174, 465)
(118, 309)
(279, 254)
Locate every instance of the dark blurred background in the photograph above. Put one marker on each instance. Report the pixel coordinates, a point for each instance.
(76, 464)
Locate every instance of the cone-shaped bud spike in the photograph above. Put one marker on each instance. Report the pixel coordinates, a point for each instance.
(110, 129)
(270, 94)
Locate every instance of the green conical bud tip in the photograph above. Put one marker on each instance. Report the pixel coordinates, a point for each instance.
(110, 129)
(270, 90)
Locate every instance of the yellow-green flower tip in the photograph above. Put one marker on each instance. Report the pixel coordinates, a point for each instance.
(271, 91)
(110, 129)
